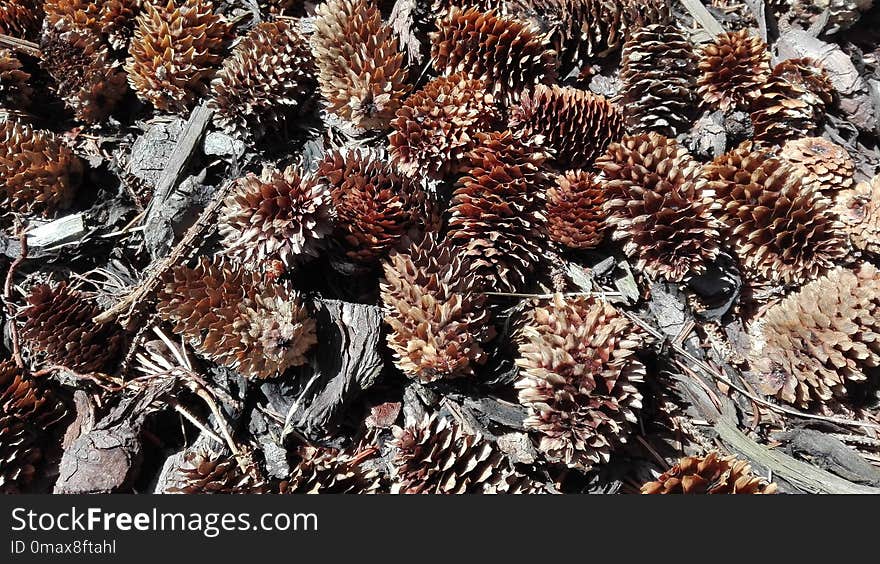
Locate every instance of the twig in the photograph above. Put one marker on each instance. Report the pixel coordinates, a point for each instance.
(186, 144)
(221, 422)
(7, 294)
(195, 421)
(548, 296)
(21, 45)
(703, 16)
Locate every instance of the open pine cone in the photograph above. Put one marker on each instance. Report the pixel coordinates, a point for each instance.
(174, 52)
(110, 20)
(578, 377)
(436, 126)
(656, 206)
(575, 125)
(21, 18)
(710, 474)
(204, 472)
(360, 68)
(437, 322)
(575, 214)
(733, 68)
(15, 92)
(859, 209)
(265, 80)
(235, 318)
(822, 162)
(324, 470)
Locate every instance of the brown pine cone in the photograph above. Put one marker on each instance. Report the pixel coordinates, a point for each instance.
(40, 172)
(204, 472)
(264, 82)
(859, 209)
(575, 216)
(324, 470)
(575, 125)
(578, 377)
(656, 206)
(510, 55)
(781, 228)
(360, 68)
(278, 216)
(710, 474)
(733, 68)
(235, 318)
(110, 20)
(28, 412)
(659, 75)
(437, 456)
(436, 127)
(15, 92)
(58, 323)
(21, 18)
(822, 338)
(822, 162)
(174, 52)
(437, 322)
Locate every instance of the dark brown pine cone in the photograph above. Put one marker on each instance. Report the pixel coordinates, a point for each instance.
(15, 92)
(859, 209)
(733, 68)
(710, 474)
(575, 214)
(205, 472)
(324, 470)
(110, 20)
(21, 18)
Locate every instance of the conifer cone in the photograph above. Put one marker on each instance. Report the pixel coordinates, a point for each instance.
(575, 125)
(174, 52)
(859, 209)
(821, 339)
(27, 412)
(85, 77)
(710, 474)
(21, 18)
(58, 324)
(204, 472)
(781, 228)
(257, 327)
(436, 127)
(578, 377)
(39, 172)
(436, 456)
(656, 206)
(437, 323)
(497, 212)
(575, 214)
(659, 74)
(732, 68)
(510, 55)
(277, 216)
(265, 80)
(15, 92)
(822, 162)
(792, 102)
(110, 20)
(324, 470)
(360, 68)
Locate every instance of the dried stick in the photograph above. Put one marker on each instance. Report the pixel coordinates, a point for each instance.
(7, 295)
(703, 17)
(21, 45)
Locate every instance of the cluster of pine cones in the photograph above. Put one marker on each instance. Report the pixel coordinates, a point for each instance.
(467, 159)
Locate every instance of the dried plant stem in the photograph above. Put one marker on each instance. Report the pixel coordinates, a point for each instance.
(195, 421)
(703, 16)
(21, 45)
(7, 294)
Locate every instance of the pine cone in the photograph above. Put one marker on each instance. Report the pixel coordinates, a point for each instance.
(279, 216)
(575, 217)
(360, 68)
(780, 226)
(437, 323)
(85, 77)
(822, 162)
(859, 208)
(109, 20)
(821, 339)
(15, 92)
(710, 474)
(578, 379)
(497, 217)
(654, 203)
(659, 74)
(510, 55)
(575, 125)
(27, 413)
(792, 102)
(21, 18)
(204, 472)
(331, 471)
(265, 81)
(437, 457)
(733, 68)
(174, 52)
(58, 324)
(40, 173)
(232, 316)
(436, 127)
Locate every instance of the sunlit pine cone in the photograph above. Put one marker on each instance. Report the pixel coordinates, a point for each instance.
(237, 319)
(360, 67)
(436, 456)
(578, 377)
(437, 322)
(659, 74)
(264, 82)
(497, 212)
(732, 68)
(111, 20)
(436, 127)
(324, 470)
(15, 92)
(58, 324)
(792, 102)
(281, 215)
(575, 214)
(655, 205)
(710, 474)
(822, 162)
(204, 472)
(21, 18)
(40, 173)
(780, 226)
(510, 55)
(575, 125)
(859, 209)
(174, 52)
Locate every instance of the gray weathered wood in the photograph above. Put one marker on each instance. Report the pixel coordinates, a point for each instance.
(703, 17)
(56, 231)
